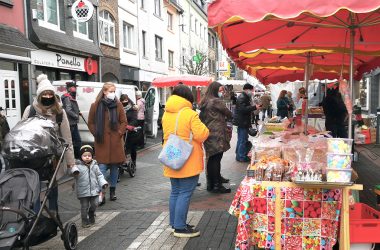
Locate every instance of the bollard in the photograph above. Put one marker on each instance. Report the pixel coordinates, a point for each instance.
(378, 126)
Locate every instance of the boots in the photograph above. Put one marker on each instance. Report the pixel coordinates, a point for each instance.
(224, 180)
(220, 189)
(91, 217)
(112, 194)
(85, 223)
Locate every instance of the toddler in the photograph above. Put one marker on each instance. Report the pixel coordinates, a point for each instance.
(89, 181)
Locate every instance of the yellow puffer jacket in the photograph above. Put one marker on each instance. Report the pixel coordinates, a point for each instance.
(188, 121)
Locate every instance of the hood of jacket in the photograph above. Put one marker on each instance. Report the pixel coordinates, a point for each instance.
(175, 103)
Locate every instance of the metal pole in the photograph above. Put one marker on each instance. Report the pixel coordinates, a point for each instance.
(307, 78)
(351, 84)
(378, 126)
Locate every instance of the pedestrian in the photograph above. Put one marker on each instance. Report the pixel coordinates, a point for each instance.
(89, 182)
(133, 134)
(184, 180)
(214, 114)
(301, 99)
(292, 105)
(283, 105)
(243, 118)
(140, 102)
(265, 102)
(71, 107)
(47, 104)
(107, 123)
(256, 113)
(4, 130)
(336, 113)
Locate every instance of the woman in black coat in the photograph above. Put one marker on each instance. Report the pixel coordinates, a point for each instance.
(336, 113)
(283, 105)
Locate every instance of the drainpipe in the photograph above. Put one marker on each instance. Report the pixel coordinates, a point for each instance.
(138, 43)
(28, 54)
(98, 37)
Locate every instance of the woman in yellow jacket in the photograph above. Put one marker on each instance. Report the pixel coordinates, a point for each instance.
(183, 181)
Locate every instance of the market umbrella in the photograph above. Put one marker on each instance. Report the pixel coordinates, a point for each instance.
(189, 80)
(244, 26)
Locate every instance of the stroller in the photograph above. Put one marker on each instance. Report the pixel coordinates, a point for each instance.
(31, 148)
(129, 166)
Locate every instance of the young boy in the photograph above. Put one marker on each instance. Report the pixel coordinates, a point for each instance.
(89, 181)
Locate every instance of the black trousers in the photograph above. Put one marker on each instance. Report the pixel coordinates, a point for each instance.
(213, 168)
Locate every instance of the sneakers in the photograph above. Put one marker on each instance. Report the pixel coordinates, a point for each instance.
(91, 218)
(85, 223)
(186, 233)
(187, 226)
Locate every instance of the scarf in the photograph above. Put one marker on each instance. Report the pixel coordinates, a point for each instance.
(111, 105)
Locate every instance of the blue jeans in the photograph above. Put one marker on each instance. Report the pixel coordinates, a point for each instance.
(114, 173)
(182, 190)
(241, 146)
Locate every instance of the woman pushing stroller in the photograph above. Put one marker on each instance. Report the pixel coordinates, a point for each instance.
(48, 105)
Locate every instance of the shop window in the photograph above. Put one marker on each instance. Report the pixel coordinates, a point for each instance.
(158, 44)
(171, 59)
(157, 8)
(107, 28)
(128, 34)
(170, 21)
(364, 93)
(80, 29)
(48, 13)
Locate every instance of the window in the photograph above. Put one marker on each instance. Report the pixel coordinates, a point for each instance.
(200, 30)
(142, 4)
(107, 28)
(48, 13)
(205, 34)
(144, 43)
(196, 28)
(191, 23)
(364, 93)
(157, 7)
(158, 43)
(128, 31)
(8, 3)
(183, 23)
(213, 42)
(170, 21)
(183, 56)
(209, 39)
(170, 59)
(80, 29)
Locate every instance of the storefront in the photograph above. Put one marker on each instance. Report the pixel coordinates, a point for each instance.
(14, 81)
(59, 66)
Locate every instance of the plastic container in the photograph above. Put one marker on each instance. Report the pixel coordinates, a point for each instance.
(364, 224)
(339, 145)
(339, 175)
(339, 161)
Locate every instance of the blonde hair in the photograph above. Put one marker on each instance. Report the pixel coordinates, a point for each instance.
(105, 87)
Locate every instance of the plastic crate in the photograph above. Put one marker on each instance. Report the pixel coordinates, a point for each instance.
(364, 224)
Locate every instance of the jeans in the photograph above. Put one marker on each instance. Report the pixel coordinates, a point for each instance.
(241, 146)
(114, 172)
(87, 204)
(213, 168)
(77, 141)
(182, 190)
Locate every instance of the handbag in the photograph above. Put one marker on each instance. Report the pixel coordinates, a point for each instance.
(176, 151)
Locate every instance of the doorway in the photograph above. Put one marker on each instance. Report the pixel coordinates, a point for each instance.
(10, 96)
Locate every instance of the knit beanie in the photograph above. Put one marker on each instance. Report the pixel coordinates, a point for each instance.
(86, 148)
(247, 86)
(44, 84)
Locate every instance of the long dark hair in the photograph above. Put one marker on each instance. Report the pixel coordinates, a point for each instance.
(183, 91)
(211, 92)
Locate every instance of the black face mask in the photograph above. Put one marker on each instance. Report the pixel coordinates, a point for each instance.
(125, 104)
(73, 94)
(47, 101)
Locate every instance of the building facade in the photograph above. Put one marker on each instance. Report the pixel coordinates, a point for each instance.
(14, 60)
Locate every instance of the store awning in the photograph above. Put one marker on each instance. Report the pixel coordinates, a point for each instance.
(189, 80)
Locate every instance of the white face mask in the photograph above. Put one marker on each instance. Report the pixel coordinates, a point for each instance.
(220, 94)
(111, 95)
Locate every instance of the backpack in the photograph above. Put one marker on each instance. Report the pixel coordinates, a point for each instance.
(58, 117)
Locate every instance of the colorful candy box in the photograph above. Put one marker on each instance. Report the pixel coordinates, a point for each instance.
(339, 145)
(339, 175)
(339, 161)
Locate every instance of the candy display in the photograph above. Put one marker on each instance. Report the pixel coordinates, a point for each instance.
(339, 175)
(339, 161)
(271, 168)
(339, 145)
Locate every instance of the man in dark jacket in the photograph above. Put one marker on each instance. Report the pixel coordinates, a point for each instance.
(242, 119)
(71, 107)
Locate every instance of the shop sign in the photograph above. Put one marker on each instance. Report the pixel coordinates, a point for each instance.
(223, 66)
(82, 10)
(57, 60)
(91, 66)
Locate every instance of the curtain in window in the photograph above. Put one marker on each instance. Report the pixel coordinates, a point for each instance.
(52, 11)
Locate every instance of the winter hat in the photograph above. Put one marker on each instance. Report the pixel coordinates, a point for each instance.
(71, 84)
(86, 148)
(44, 84)
(138, 93)
(247, 86)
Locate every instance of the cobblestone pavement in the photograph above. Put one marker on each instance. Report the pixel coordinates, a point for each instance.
(139, 218)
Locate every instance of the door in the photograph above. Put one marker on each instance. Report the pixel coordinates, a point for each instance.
(152, 105)
(10, 96)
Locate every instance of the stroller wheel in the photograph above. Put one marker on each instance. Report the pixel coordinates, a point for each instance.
(70, 236)
(131, 168)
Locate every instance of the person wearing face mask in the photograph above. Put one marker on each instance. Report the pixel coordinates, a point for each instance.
(214, 114)
(71, 107)
(107, 123)
(48, 105)
(242, 119)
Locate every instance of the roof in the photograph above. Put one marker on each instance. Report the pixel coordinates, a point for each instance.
(13, 37)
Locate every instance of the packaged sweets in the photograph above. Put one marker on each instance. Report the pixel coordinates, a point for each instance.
(339, 161)
(339, 145)
(339, 175)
